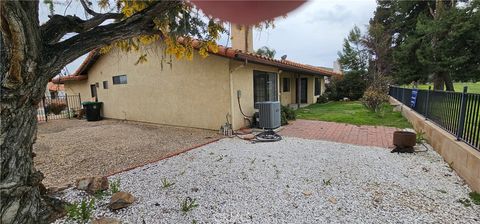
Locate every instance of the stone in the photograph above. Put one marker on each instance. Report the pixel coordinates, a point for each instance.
(120, 200)
(106, 220)
(307, 193)
(333, 200)
(92, 184)
(248, 136)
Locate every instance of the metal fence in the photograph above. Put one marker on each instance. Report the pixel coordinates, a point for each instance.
(455, 112)
(59, 107)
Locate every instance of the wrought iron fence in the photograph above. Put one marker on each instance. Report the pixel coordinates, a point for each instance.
(59, 107)
(455, 112)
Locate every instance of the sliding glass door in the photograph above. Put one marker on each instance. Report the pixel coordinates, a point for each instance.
(264, 86)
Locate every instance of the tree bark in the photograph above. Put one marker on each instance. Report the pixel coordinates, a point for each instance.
(447, 78)
(22, 85)
(29, 57)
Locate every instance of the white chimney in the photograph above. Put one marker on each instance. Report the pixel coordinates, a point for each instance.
(336, 66)
(242, 37)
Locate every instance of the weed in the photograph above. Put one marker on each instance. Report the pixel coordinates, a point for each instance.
(166, 183)
(253, 161)
(450, 165)
(99, 195)
(220, 158)
(183, 172)
(115, 186)
(327, 182)
(188, 204)
(442, 191)
(475, 197)
(465, 202)
(81, 211)
(420, 137)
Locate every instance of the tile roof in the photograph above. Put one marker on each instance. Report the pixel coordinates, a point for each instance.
(223, 51)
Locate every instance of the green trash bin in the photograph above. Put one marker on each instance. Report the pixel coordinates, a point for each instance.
(92, 110)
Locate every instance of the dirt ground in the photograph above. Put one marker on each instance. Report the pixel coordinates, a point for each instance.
(68, 149)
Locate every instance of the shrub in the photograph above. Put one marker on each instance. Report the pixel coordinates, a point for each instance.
(373, 99)
(287, 114)
(351, 85)
(56, 107)
(322, 99)
(115, 186)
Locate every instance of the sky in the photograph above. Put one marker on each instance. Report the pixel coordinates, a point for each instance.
(312, 34)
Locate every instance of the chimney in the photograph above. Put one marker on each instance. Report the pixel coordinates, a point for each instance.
(242, 37)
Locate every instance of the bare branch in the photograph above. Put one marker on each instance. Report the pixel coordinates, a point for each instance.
(87, 8)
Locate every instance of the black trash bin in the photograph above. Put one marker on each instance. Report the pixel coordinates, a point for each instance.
(92, 110)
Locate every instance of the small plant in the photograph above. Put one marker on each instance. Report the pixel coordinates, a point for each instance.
(220, 158)
(327, 182)
(465, 202)
(475, 197)
(420, 137)
(115, 186)
(253, 161)
(81, 211)
(188, 204)
(374, 99)
(100, 194)
(166, 183)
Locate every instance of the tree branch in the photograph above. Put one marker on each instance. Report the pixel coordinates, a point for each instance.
(64, 52)
(53, 30)
(88, 9)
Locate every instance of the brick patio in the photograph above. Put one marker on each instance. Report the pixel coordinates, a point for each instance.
(338, 132)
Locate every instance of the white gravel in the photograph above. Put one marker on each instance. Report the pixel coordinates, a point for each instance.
(234, 181)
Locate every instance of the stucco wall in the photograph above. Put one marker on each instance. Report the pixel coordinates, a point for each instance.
(463, 158)
(242, 79)
(186, 93)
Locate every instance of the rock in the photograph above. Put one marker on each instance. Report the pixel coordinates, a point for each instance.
(248, 136)
(106, 220)
(92, 184)
(307, 193)
(333, 200)
(120, 200)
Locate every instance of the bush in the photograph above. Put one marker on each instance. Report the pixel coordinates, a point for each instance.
(322, 99)
(287, 114)
(373, 99)
(351, 85)
(56, 107)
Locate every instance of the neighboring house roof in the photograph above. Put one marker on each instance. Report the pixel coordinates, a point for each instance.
(52, 87)
(228, 52)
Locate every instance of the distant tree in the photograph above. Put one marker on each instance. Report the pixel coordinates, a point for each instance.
(354, 56)
(266, 51)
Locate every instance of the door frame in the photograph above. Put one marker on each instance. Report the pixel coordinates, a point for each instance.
(301, 90)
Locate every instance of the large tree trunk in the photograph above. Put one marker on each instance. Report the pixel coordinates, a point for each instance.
(447, 78)
(22, 87)
(438, 82)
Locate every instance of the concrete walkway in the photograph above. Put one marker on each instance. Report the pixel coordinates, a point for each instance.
(339, 132)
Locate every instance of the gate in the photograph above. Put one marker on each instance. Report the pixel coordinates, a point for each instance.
(58, 107)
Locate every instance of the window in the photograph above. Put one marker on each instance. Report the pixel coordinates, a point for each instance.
(119, 79)
(286, 84)
(264, 86)
(105, 84)
(317, 86)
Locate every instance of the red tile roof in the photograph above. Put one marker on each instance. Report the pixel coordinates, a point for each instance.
(55, 87)
(81, 72)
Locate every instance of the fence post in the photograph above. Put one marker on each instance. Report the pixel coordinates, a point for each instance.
(45, 109)
(463, 108)
(427, 102)
(68, 107)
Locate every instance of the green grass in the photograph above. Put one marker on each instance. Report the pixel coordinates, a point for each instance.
(353, 113)
(472, 87)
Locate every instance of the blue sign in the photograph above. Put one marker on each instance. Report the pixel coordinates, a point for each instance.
(413, 99)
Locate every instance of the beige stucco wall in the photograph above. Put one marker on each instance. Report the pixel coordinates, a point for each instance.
(462, 157)
(242, 79)
(290, 97)
(187, 93)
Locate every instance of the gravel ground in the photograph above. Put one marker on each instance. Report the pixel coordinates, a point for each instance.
(293, 181)
(68, 149)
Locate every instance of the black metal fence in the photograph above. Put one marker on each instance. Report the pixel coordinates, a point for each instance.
(59, 107)
(455, 112)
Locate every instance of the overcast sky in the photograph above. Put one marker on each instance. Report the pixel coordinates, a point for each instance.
(312, 34)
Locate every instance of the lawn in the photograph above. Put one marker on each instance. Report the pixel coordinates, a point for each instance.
(472, 87)
(353, 113)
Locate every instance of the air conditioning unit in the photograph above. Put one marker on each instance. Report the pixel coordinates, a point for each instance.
(268, 114)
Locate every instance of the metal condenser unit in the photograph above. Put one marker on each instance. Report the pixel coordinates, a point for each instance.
(269, 114)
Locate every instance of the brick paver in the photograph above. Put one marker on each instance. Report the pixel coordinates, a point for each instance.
(338, 132)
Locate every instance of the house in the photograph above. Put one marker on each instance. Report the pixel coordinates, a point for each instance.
(54, 91)
(201, 93)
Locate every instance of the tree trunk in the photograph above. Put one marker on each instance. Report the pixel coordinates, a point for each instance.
(22, 86)
(447, 78)
(438, 82)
